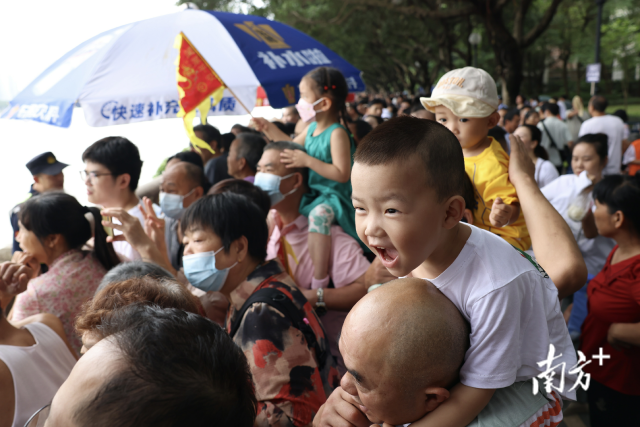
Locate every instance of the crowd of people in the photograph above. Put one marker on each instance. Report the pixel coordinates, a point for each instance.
(389, 260)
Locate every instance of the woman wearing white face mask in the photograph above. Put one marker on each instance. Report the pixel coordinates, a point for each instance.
(225, 250)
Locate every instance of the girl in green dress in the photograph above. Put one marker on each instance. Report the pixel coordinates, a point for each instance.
(329, 153)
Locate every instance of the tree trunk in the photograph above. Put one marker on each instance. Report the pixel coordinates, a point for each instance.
(565, 76)
(578, 78)
(508, 55)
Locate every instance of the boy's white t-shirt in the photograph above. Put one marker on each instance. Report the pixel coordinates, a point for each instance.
(514, 313)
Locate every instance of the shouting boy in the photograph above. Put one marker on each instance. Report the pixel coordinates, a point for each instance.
(465, 101)
(408, 185)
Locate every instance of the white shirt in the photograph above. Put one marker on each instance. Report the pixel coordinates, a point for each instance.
(629, 155)
(514, 313)
(560, 194)
(38, 371)
(613, 127)
(560, 134)
(124, 249)
(563, 110)
(545, 172)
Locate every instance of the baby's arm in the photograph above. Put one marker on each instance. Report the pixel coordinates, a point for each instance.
(503, 214)
(464, 404)
(339, 170)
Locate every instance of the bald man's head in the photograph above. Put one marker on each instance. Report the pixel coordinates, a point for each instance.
(402, 339)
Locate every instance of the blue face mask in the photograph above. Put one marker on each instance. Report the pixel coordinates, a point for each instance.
(172, 205)
(200, 270)
(270, 183)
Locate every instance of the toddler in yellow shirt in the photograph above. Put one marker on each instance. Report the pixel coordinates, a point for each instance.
(466, 102)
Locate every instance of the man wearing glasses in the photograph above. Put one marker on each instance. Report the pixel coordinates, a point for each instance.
(112, 171)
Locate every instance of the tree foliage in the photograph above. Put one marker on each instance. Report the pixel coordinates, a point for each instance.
(405, 44)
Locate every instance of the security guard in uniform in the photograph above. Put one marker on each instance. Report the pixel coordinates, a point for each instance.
(47, 176)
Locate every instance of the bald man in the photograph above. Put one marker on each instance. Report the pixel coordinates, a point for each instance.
(403, 345)
(182, 185)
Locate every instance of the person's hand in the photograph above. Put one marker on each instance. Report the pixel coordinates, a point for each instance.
(130, 227)
(614, 341)
(340, 410)
(26, 258)
(520, 165)
(295, 158)
(377, 274)
(14, 277)
(153, 226)
(260, 124)
(500, 213)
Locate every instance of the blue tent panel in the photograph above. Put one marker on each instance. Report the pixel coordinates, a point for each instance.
(280, 56)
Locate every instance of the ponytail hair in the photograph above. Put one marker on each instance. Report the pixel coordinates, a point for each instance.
(60, 213)
(621, 193)
(536, 135)
(330, 81)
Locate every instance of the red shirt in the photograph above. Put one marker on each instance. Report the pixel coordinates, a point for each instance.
(614, 297)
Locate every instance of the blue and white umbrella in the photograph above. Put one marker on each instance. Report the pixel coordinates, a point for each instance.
(128, 74)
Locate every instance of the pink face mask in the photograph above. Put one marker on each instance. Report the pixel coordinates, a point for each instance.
(306, 110)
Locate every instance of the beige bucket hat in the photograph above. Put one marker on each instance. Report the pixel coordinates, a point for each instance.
(468, 92)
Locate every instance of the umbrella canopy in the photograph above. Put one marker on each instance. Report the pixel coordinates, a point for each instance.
(128, 74)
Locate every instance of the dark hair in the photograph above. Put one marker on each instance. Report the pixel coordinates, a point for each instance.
(622, 114)
(188, 157)
(250, 148)
(286, 128)
(362, 129)
(544, 106)
(599, 103)
(244, 188)
(230, 216)
(225, 141)
(530, 113)
(377, 101)
(405, 137)
(599, 141)
(554, 109)
(511, 113)
(416, 107)
(117, 154)
(469, 195)
(133, 270)
(498, 133)
(536, 135)
(242, 129)
(208, 383)
(163, 292)
(210, 134)
(621, 193)
(60, 213)
(289, 145)
(196, 175)
(330, 81)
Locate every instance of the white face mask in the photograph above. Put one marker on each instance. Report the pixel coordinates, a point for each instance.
(270, 184)
(173, 204)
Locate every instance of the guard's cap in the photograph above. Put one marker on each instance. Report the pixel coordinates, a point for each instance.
(45, 163)
(467, 92)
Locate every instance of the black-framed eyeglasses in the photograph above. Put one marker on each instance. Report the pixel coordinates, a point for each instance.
(91, 175)
(39, 418)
